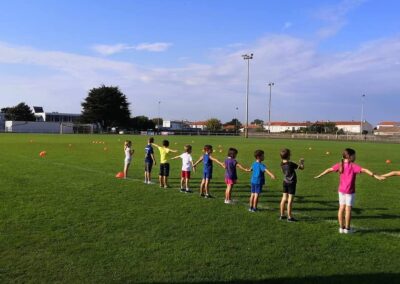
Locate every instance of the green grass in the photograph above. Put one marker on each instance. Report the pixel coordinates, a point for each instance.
(66, 218)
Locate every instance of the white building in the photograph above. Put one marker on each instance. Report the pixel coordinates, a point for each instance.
(388, 128)
(354, 126)
(176, 124)
(41, 115)
(38, 127)
(201, 125)
(283, 126)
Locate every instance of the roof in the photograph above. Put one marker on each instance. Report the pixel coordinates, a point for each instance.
(358, 123)
(388, 123)
(285, 123)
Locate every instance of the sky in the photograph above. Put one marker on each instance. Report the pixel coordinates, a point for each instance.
(182, 59)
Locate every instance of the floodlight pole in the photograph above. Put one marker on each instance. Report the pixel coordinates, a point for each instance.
(247, 57)
(236, 122)
(158, 118)
(362, 114)
(270, 84)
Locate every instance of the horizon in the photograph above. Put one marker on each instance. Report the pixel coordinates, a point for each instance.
(322, 56)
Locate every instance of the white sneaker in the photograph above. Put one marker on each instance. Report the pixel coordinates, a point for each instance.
(228, 202)
(348, 231)
(341, 230)
(150, 182)
(145, 182)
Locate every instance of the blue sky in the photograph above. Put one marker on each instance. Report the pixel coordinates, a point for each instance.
(322, 55)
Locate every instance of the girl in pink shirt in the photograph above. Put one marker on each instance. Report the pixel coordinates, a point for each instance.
(347, 186)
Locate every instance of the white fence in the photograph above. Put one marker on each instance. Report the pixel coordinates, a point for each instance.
(37, 127)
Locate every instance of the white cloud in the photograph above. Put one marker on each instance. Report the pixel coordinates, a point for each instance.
(106, 50)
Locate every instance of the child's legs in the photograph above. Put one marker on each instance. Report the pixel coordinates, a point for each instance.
(283, 203)
(228, 191)
(251, 200)
(187, 182)
(348, 216)
(255, 200)
(203, 181)
(289, 205)
(182, 182)
(341, 211)
(165, 181)
(206, 185)
(126, 168)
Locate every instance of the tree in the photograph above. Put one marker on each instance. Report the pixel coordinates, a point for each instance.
(107, 106)
(141, 123)
(20, 112)
(235, 123)
(213, 124)
(258, 122)
(157, 121)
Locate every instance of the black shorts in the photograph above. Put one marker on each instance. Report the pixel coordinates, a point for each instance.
(164, 170)
(148, 166)
(289, 188)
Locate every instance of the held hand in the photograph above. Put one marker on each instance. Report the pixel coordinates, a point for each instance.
(379, 177)
(272, 176)
(248, 170)
(317, 177)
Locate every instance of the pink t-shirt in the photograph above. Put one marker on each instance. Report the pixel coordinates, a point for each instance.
(347, 182)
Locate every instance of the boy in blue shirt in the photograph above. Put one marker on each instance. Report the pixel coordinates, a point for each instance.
(149, 161)
(258, 179)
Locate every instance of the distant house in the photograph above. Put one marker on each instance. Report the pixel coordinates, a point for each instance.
(201, 125)
(41, 115)
(176, 124)
(252, 128)
(284, 126)
(354, 126)
(388, 128)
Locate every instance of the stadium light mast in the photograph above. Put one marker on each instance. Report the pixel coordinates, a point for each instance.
(236, 122)
(270, 84)
(158, 118)
(247, 57)
(362, 114)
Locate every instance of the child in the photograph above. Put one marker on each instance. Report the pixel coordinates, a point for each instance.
(164, 165)
(348, 171)
(289, 184)
(207, 170)
(230, 173)
(187, 164)
(392, 174)
(258, 179)
(149, 161)
(128, 156)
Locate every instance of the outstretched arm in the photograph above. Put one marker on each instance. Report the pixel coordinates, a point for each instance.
(176, 157)
(243, 168)
(371, 174)
(198, 161)
(327, 171)
(392, 174)
(218, 162)
(301, 164)
(158, 146)
(270, 174)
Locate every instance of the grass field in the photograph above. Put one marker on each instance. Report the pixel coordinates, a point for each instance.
(66, 218)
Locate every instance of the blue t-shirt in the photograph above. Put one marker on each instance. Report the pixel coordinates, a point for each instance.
(149, 151)
(208, 164)
(230, 169)
(258, 170)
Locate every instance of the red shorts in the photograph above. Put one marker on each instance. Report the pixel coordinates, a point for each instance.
(185, 174)
(230, 181)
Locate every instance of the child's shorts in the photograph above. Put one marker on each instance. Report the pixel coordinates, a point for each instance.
(164, 170)
(185, 174)
(229, 181)
(256, 188)
(289, 188)
(346, 199)
(148, 166)
(207, 175)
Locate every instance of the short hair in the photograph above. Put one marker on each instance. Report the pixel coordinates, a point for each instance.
(232, 152)
(207, 147)
(188, 148)
(165, 143)
(258, 153)
(151, 139)
(285, 154)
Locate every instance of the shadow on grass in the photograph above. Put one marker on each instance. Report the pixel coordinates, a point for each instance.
(380, 278)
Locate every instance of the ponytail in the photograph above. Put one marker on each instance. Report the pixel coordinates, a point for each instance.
(341, 166)
(349, 155)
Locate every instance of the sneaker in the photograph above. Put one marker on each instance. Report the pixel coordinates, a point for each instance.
(188, 190)
(161, 186)
(254, 210)
(207, 196)
(145, 182)
(291, 219)
(341, 230)
(229, 202)
(251, 209)
(150, 182)
(182, 190)
(282, 217)
(348, 231)
(202, 195)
